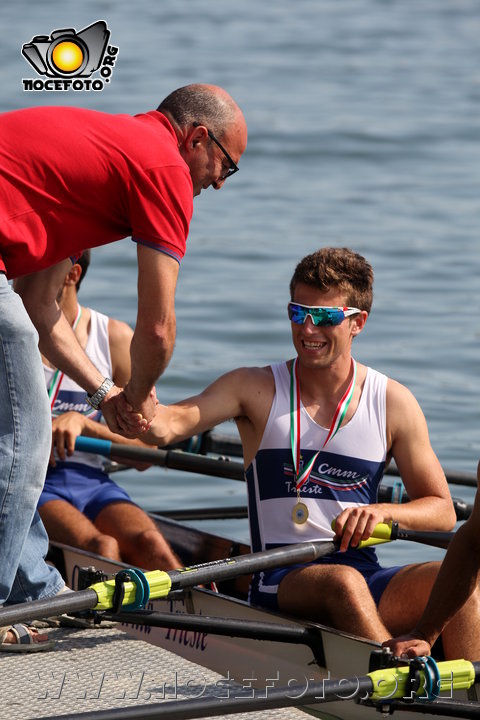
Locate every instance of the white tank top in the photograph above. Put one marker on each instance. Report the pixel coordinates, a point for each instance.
(71, 396)
(346, 474)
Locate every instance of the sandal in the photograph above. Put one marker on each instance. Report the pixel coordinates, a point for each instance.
(27, 640)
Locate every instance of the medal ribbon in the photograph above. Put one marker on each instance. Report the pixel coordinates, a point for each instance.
(302, 477)
(54, 388)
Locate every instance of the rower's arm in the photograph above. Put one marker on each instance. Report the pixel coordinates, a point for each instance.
(457, 579)
(430, 506)
(230, 396)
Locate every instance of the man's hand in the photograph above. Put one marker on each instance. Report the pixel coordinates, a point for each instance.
(408, 646)
(133, 417)
(65, 430)
(358, 523)
(145, 406)
(120, 416)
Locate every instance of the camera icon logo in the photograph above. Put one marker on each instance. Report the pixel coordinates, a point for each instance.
(66, 53)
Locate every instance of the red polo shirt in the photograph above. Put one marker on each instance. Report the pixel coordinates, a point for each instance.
(72, 179)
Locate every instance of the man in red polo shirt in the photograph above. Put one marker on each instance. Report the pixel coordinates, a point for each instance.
(72, 179)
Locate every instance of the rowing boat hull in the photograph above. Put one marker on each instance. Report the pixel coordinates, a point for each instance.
(250, 663)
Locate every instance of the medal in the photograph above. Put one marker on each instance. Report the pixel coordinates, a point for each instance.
(300, 513)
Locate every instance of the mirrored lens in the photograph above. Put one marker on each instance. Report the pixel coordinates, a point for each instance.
(320, 316)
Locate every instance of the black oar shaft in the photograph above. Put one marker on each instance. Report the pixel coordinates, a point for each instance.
(217, 571)
(66, 602)
(218, 467)
(434, 538)
(215, 442)
(206, 707)
(250, 629)
(177, 460)
(174, 459)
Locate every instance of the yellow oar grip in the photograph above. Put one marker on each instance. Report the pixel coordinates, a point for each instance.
(381, 534)
(391, 683)
(158, 580)
(383, 531)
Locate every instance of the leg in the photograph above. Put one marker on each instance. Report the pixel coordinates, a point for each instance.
(66, 524)
(25, 438)
(404, 600)
(333, 594)
(140, 542)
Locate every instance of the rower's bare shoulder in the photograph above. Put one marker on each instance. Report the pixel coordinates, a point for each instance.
(255, 379)
(399, 396)
(255, 388)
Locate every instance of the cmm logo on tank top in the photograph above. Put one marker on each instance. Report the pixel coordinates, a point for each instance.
(69, 58)
(329, 476)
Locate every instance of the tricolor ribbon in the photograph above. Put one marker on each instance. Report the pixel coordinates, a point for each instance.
(295, 434)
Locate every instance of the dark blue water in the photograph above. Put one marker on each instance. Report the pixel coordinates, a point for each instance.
(363, 131)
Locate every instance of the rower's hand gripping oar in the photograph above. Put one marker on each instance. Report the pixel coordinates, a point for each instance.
(387, 532)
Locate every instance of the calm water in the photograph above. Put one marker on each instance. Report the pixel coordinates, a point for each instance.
(363, 131)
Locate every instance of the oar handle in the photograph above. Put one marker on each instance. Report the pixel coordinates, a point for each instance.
(385, 532)
(381, 534)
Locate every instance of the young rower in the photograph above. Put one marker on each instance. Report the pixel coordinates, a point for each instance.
(317, 432)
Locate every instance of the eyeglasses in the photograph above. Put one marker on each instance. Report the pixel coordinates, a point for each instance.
(233, 165)
(319, 314)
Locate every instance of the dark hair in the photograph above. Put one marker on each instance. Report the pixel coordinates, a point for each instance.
(200, 103)
(338, 268)
(84, 262)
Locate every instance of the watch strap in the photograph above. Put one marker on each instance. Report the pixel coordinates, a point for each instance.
(97, 397)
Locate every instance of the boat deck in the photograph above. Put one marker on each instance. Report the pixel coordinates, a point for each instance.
(102, 668)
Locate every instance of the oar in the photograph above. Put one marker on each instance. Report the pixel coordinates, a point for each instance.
(175, 459)
(380, 687)
(159, 584)
(218, 467)
(387, 532)
(223, 444)
(391, 531)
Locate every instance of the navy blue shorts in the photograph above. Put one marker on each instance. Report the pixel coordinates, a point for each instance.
(264, 585)
(87, 488)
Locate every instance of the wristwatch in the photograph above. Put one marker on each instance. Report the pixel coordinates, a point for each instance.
(97, 397)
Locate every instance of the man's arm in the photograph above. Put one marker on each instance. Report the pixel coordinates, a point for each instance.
(457, 579)
(154, 336)
(57, 341)
(68, 426)
(119, 340)
(430, 506)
